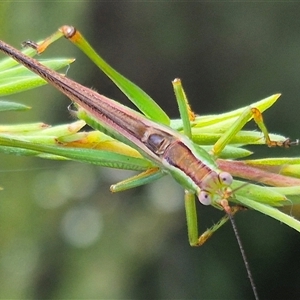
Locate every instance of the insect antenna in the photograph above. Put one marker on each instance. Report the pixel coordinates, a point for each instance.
(230, 212)
(246, 263)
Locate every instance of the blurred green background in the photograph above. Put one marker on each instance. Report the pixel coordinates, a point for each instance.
(63, 235)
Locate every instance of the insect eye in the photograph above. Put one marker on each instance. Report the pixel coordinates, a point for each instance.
(225, 178)
(204, 198)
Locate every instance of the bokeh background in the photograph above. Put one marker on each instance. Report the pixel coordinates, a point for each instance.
(63, 235)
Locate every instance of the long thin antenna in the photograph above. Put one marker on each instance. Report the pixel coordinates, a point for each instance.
(244, 256)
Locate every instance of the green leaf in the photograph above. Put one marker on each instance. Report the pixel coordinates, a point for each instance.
(99, 157)
(270, 211)
(18, 78)
(12, 106)
(134, 93)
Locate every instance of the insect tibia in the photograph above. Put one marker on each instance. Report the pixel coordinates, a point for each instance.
(209, 232)
(204, 237)
(230, 212)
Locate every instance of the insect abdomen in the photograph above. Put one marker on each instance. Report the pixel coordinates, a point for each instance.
(181, 157)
